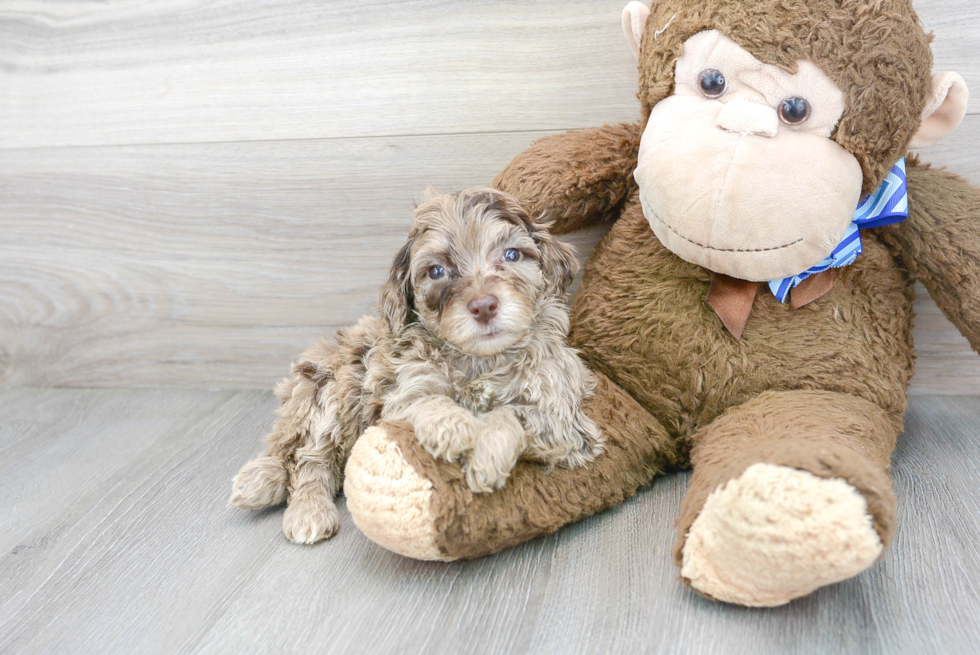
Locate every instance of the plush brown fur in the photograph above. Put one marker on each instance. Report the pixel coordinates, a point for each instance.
(940, 244)
(820, 389)
(641, 310)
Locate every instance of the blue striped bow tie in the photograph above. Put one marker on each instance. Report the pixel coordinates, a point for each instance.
(889, 204)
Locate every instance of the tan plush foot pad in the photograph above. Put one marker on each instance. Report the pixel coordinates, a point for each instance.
(777, 533)
(389, 501)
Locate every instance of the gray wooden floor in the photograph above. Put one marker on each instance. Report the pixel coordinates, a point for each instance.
(116, 538)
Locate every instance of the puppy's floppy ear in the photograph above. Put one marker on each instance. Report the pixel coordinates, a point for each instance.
(396, 303)
(558, 258)
(507, 206)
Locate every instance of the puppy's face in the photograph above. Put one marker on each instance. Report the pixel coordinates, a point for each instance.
(476, 267)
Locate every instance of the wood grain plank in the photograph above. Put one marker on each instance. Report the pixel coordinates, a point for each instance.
(955, 27)
(207, 265)
(938, 537)
(427, 607)
(131, 564)
(172, 71)
(154, 561)
(55, 449)
(214, 265)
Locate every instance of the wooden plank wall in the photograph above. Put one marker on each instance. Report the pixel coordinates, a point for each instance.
(192, 191)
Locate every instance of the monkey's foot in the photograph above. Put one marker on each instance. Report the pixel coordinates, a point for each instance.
(777, 533)
(388, 499)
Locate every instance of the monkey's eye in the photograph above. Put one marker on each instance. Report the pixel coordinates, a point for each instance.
(713, 84)
(512, 255)
(437, 272)
(794, 111)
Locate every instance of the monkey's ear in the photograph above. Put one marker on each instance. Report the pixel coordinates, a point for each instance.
(945, 109)
(635, 16)
(395, 303)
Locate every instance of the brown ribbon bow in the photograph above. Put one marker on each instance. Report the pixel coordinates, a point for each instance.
(732, 298)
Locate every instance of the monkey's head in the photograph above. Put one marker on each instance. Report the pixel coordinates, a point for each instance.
(769, 120)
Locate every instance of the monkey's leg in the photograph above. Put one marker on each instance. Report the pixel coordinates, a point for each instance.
(790, 492)
(412, 504)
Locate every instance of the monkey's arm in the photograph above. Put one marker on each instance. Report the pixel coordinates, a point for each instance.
(939, 243)
(579, 178)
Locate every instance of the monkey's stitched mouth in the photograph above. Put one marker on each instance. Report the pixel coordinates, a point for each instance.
(707, 247)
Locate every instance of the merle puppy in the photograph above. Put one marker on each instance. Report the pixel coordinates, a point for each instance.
(469, 348)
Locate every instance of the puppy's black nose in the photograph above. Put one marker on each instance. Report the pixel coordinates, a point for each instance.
(483, 309)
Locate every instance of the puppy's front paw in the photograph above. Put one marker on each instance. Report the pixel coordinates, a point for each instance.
(309, 520)
(484, 477)
(449, 437)
(493, 458)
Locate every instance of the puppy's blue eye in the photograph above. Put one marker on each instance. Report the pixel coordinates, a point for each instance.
(437, 272)
(512, 255)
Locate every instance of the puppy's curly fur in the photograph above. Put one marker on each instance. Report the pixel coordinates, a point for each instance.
(469, 348)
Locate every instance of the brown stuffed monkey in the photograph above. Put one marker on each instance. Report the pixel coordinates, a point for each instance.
(744, 320)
